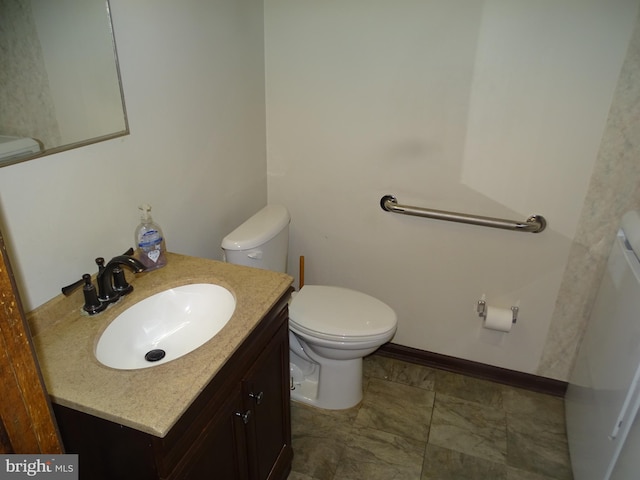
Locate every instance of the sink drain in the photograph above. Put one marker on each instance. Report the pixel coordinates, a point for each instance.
(155, 355)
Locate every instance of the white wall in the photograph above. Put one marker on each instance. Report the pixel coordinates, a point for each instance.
(494, 108)
(193, 75)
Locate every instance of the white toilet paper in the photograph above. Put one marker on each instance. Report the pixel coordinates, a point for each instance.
(500, 319)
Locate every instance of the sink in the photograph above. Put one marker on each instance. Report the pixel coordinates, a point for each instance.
(165, 326)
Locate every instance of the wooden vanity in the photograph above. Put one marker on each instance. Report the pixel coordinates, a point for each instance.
(220, 412)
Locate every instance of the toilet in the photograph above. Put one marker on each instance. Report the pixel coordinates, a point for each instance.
(331, 329)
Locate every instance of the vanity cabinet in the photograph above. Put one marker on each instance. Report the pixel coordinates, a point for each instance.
(239, 426)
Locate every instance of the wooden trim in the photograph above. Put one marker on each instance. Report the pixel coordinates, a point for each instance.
(505, 376)
(27, 424)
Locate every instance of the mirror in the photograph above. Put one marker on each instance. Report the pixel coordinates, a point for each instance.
(60, 84)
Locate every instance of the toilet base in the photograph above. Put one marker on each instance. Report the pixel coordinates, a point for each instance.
(335, 385)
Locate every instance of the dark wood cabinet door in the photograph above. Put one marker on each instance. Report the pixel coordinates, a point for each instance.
(222, 453)
(266, 394)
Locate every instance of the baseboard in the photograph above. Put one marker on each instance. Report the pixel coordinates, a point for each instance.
(505, 376)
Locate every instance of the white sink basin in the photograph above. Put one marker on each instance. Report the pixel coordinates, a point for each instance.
(165, 326)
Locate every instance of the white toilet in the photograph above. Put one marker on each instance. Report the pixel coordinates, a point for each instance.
(330, 328)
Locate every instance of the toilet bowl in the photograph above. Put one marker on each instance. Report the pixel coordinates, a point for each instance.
(331, 328)
(335, 328)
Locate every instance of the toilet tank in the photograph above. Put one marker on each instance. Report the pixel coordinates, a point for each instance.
(262, 241)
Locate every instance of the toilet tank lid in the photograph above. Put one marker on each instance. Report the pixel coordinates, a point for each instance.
(259, 229)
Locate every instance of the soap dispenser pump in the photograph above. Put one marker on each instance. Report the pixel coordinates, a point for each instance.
(150, 244)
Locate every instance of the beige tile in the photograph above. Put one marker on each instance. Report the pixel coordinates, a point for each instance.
(475, 430)
(377, 366)
(469, 428)
(445, 464)
(539, 429)
(536, 450)
(375, 455)
(469, 388)
(385, 368)
(395, 408)
(536, 433)
(539, 407)
(518, 474)
(318, 439)
(414, 375)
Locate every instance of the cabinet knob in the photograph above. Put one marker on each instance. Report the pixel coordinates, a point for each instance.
(257, 397)
(246, 416)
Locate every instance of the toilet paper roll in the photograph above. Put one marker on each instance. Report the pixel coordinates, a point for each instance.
(500, 319)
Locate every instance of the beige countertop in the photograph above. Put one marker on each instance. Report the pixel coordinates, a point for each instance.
(149, 399)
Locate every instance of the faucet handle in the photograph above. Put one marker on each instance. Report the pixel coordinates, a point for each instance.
(100, 263)
(120, 284)
(69, 289)
(92, 304)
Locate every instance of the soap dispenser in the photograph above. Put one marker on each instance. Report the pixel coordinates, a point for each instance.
(150, 244)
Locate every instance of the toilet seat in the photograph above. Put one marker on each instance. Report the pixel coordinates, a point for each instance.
(336, 340)
(340, 314)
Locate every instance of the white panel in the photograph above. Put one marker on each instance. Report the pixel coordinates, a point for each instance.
(603, 395)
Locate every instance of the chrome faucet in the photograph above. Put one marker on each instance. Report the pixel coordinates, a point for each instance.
(111, 280)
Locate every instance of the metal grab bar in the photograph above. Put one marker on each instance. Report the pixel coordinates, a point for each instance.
(533, 224)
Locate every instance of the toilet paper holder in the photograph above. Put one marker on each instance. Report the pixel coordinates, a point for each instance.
(482, 310)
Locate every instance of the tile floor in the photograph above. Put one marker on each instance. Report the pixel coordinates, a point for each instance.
(419, 423)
